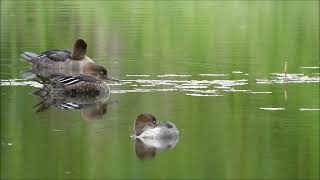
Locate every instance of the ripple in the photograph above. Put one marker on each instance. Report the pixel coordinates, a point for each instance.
(308, 109)
(223, 87)
(310, 67)
(272, 109)
(20, 82)
(196, 94)
(214, 75)
(137, 75)
(122, 91)
(237, 90)
(261, 92)
(56, 130)
(148, 85)
(231, 82)
(195, 86)
(174, 75)
(202, 91)
(119, 84)
(282, 78)
(192, 87)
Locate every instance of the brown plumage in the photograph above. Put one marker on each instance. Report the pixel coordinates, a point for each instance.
(144, 121)
(73, 86)
(65, 62)
(79, 50)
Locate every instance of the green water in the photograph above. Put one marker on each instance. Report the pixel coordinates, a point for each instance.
(224, 133)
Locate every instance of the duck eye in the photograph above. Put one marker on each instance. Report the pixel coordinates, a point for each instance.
(154, 121)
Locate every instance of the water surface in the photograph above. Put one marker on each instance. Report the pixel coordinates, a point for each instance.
(214, 68)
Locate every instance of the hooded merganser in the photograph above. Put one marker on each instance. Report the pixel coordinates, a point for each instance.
(151, 136)
(146, 127)
(66, 62)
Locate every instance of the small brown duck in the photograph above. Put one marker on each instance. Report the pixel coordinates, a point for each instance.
(82, 92)
(74, 86)
(146, 126)
(65, 62)
(151, 136)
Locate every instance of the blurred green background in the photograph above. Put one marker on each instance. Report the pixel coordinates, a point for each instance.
(225, 137)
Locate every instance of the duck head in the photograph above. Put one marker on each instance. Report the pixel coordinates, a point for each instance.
(96, 70)
(146, 126)
(92, 69)
(144, 122)
(79, 50)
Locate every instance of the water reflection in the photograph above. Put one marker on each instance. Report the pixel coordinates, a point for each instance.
(91, 108)
(74, 92)
(147, 148)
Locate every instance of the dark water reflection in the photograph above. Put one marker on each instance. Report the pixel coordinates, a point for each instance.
(147, 148)
(90, 107)
(205, 66)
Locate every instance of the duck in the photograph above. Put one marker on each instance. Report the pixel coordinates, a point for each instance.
(66, 62)
(91, 107)
(150, 136)
(147, 127)
(73, 86)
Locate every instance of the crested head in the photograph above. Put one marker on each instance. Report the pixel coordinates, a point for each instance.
(79, 49)
(96, 70)
(143, 122)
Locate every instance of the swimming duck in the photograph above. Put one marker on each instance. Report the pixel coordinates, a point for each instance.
(146, 127)
(91, 107)
(151, 136)
(73, 86)
(66, 62)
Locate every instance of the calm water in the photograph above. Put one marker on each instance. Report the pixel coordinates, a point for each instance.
(213, 68)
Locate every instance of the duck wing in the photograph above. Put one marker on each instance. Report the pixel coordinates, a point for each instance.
(57, 55)
(69, 105)
(69, 80)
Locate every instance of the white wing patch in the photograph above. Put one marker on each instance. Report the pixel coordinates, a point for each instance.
(73, 82)
(69, 80)
(69, 106)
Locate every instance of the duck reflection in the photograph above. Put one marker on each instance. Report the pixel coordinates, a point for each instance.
(85, 93)
(150, 136)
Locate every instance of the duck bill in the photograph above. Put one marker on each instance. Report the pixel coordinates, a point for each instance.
(110, 78)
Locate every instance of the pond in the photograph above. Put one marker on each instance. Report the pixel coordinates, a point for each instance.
(216, 69)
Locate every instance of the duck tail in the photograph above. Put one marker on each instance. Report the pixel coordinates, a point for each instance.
(41, 91)
(45, 90)
(29, 56)
(42, 78)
